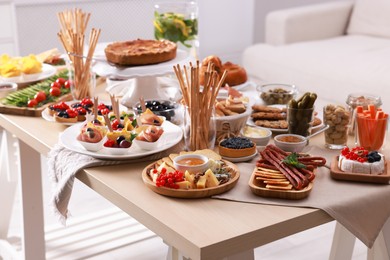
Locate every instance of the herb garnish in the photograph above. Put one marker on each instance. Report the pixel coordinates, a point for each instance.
(292, 159)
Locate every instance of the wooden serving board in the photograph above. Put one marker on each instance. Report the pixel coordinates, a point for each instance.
(338, 174)
(258, 188)
(192, 193)
(27, 111)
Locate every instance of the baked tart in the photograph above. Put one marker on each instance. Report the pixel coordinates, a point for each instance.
(140, 52)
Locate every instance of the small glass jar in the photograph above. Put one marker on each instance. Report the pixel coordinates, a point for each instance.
(360, 99)
(337, 118)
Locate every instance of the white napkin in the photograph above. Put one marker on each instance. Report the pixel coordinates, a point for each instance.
(63, 165)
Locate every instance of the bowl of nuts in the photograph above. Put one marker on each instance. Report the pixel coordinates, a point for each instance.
(275, 93)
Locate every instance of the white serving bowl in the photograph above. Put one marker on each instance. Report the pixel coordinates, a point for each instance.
(258, 135)
(180, 166)
(6, 88)
(290, 142)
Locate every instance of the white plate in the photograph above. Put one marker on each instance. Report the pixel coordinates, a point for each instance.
(171, 136)
(46, 112)
(277, 130)
(240, 159)
(102, 68)
(47, 71)
(224, 93)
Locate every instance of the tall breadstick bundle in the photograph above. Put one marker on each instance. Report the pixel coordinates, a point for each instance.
(199, 103)
(73, 24)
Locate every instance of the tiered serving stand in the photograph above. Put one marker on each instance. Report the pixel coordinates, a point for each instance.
(142, 81)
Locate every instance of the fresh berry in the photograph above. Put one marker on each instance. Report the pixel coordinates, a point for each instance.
(170, 179)
(109, 143)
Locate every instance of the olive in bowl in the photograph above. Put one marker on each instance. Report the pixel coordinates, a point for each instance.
(166, 108)
(290, 142)
(273, 94)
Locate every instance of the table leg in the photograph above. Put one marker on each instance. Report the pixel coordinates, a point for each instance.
(33, 236)
(379, 249)
(8, 179)
(343, 243)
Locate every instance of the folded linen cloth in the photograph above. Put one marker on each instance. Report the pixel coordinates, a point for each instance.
(64, 164)
(362, 208)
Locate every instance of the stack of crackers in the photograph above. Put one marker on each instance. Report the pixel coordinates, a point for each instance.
(272, 179)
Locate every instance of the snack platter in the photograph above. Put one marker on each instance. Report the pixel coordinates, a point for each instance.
(258, 188)
(192, 193)
(27, 111)
(171, 136)
(337, 174)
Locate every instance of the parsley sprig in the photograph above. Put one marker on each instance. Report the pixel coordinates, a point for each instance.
(292, 159)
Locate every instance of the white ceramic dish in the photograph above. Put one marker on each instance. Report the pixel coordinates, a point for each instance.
(290, 146)
(148, 146)
(240, 159)
(6, 88)
(257, 139)
(93, 147)
(47, 71)
(171, 136)
(191, 168)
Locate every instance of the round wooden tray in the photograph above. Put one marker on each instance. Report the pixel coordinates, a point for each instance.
(192, 193)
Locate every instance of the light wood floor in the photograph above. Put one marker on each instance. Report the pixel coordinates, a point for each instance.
(98, 230)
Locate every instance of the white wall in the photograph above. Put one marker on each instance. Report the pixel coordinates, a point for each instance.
(226, 27)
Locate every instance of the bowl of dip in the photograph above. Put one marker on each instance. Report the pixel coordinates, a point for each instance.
(258, 135)
(193, 163)
(290, 142)
(6, 88)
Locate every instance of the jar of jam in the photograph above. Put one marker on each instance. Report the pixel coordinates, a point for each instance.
(360, 99)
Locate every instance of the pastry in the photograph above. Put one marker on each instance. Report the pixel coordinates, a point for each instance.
(236, 74)
(140, 52)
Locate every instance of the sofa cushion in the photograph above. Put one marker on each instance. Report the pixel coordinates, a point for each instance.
(333, 68)
(370, 17)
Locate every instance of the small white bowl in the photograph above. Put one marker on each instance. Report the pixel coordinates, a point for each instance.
(181, 166)
(93, 147)
(6, 88)
(290, 142)
(258, 135)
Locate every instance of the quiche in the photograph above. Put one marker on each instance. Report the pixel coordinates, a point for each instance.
(140, 52)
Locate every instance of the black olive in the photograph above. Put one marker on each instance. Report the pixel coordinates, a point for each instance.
(119, 139)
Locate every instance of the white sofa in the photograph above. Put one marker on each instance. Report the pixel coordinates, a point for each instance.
(333, 49)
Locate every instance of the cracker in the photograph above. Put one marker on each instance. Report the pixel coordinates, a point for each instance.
(276, 187)
(209, 154)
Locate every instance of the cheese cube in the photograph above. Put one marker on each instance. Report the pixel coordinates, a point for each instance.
(211, 181)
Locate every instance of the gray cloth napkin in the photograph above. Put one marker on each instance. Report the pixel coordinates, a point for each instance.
(63, 165)
(361, 208)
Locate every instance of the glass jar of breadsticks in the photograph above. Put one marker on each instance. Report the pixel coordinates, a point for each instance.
(199, 102)
(72, 34)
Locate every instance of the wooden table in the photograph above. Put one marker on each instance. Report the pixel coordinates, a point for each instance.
(199, 229)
